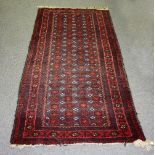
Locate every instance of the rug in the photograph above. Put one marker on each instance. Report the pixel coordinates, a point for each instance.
(74, 87)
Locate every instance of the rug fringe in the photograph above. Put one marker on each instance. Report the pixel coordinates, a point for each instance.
(22, 146)
(148, 144)
(96, 8)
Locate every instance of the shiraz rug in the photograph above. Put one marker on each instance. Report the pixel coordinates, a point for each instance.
(74, 87)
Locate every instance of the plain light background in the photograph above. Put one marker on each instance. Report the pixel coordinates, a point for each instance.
(133, 22)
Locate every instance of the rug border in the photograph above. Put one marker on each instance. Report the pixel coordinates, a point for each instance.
(28, 58)
(126, 79)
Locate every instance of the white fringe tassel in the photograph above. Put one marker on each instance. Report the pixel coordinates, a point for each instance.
(144, 144)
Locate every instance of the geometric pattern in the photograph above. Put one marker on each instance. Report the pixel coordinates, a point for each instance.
(74, 87)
